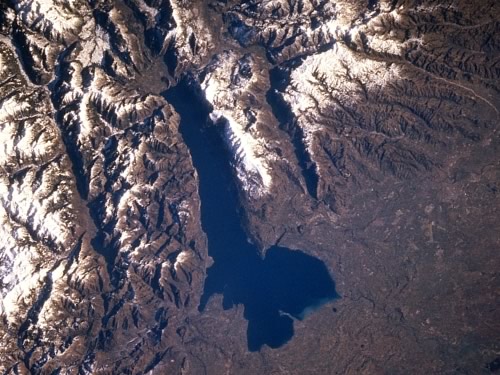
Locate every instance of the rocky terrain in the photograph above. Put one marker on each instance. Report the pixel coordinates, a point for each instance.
(364, 133)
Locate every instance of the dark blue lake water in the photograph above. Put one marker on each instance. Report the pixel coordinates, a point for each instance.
(274, 291)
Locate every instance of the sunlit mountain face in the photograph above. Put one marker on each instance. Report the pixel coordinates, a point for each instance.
(249, 187)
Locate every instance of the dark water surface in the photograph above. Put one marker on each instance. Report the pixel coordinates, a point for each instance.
(283, 286)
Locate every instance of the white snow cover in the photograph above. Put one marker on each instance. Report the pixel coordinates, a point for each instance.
(49, 310)
(26, 280)
(245, 148)
(189, 23)
(94, 45)
(103, 93)
(182, 258)
(251, 159)
(152, 12)
(33, 209)
(338, 71)
(335, 73)
(47, 14)
(19, 267)
(377, 34)
(11, 108)
(2, 63)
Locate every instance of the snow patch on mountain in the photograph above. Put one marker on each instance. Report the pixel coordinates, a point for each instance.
(338, 76)
(11, 108)
(227, 92)
(192, 36)
(183, 257)
(249, 163)
(59, 19)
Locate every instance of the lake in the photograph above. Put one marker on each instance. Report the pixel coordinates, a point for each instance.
(284, 286)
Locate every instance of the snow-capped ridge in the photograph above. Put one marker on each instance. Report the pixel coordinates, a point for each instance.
(250, 157)
(245, 150)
